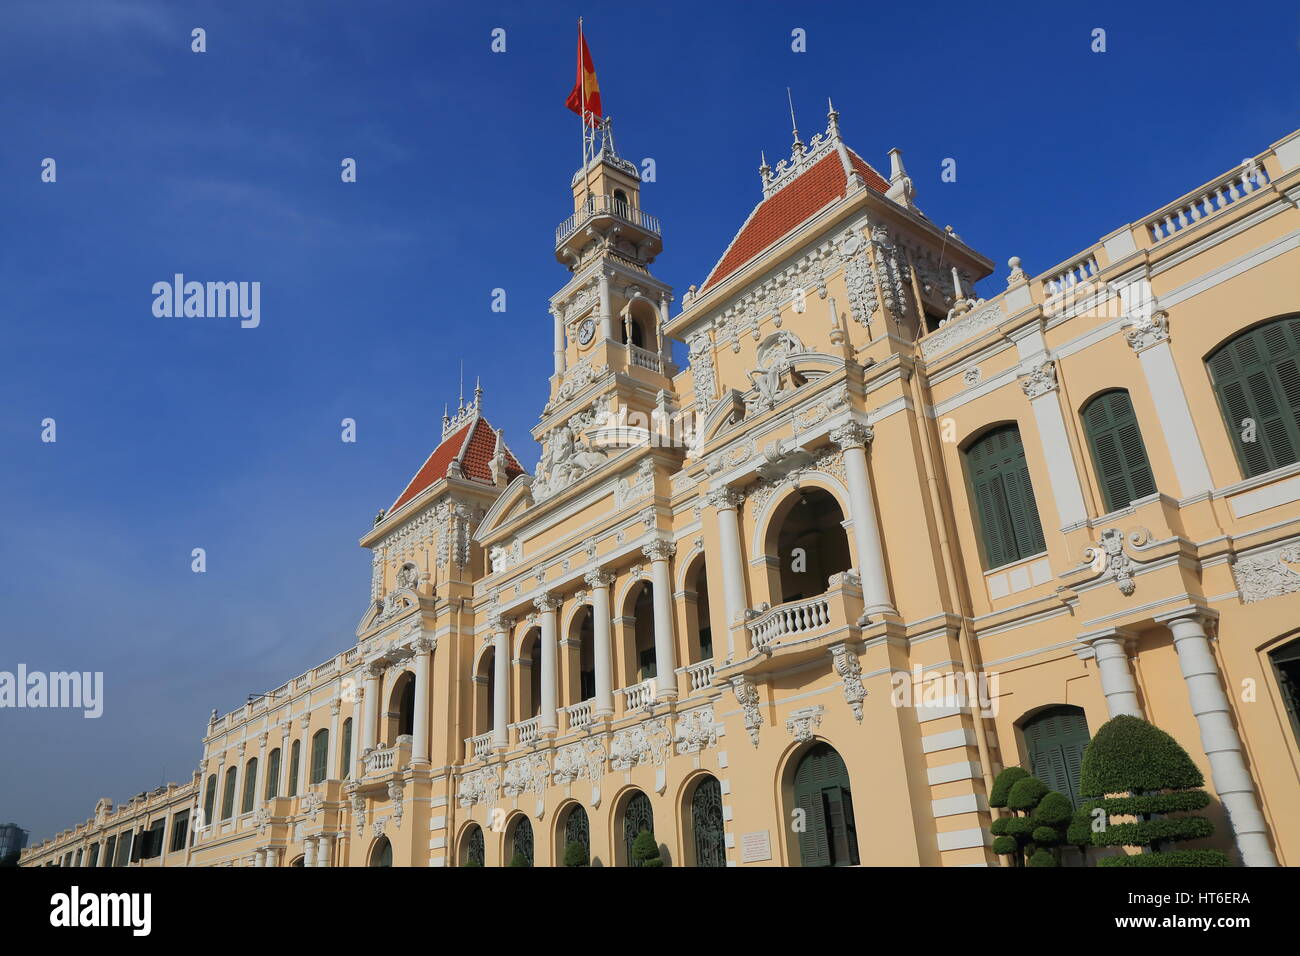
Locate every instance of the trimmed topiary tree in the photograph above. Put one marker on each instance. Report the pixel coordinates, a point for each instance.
(645, 851)
(575, 854)
(1039, 823)
(1132, 768)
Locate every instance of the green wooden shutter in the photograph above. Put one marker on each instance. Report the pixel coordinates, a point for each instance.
(210, 801)
(821, 791)
(998, 477)
(1256, 377)
(250, 786)
(295, 762)
(1056, 739)
(228, 795)
(346, 774)
(814, 847)
(1118, 453)
(273, 774)
(319, 755)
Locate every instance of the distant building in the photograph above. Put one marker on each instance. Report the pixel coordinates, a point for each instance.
(12, 839)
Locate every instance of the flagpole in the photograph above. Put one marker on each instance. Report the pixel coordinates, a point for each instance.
(582, 93)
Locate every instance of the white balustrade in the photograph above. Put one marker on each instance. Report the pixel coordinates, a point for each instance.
(478, 746)
(526, 730)
(644, 358)
(638, 695)
(699, 675)
(798, 617)
(580, 714)
(1238, 184)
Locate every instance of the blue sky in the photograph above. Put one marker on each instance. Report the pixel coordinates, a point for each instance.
(179, 433)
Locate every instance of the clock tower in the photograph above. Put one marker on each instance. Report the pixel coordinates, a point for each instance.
(613, 362)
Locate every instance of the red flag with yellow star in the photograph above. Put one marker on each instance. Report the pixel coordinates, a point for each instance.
(585, 98)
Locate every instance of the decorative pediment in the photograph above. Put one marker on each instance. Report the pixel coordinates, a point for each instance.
(514, 501)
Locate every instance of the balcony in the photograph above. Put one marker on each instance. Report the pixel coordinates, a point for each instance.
(790, 620)
(638, 696)
(802, 628)
(698, 676)
(644, 358)
(607, 207)
(526, 731)
(381, 760)
(480, 746)
(580, 715)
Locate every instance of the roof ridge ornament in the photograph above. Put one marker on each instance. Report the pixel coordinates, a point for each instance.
(804, 157)
(464, 413)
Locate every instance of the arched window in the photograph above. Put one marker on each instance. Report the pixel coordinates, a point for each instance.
(643, 663)
(637, 816)
(708, 836)
(1004, 497)
(583, 676)
(521, 841)
(406, 707)
(1055, 739)
(250, 786)
(811, 545)
(531, 655)
(821, 791)
(382, 854)
(228, 795)
(1286, 667)
(1118, 453)
(295, 763)
(577, 830)
(346, 754)
(697, 582)
(210, 801)
(632, 332)
(472, 847)
(273, 774)
(320, 748)
(1257, 379)
(300, 861)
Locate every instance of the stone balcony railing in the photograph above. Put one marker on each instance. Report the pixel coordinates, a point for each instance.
(478, 746)
(579, 715)
(638, 696)
(526, 731)
(795, 621)
(698, 676)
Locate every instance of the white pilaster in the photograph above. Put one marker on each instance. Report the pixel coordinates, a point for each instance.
(547, 722)
(599, 582)
(726, 502)
(658, 552)
(1111, 652)
(500, 679)
(853, 437)
(1041, 387)
(1152, 345)
(420, 724)
(1219, 737)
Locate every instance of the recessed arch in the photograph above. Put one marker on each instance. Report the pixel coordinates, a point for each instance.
(763, 518)
(572, 826)
(400, 713)
(805, 543)
(471, 848)
(632, 814)
(381, 853)
(814, 784)
(703, 831)
(519, 844)
(1054, 738)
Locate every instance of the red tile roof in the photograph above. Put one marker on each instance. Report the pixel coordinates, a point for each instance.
(790, 207)
(472, 446)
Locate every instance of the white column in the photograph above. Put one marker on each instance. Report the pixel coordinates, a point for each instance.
(559, 342)
(658, 552)
(665, 343)
(308, 851)
(853, 437)
(420, 745)
(257, 858)
(1152, 345)
(548, 604)
(371, 739)
(1219, 737)
(726, 502)
(1040, 386)
(603, 656)
(324, 848)
(332, 751)
(282, 787)
(606, 313)
(1111, 652)
(500, 679)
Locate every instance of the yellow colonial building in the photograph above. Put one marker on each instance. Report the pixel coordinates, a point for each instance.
(798, 602)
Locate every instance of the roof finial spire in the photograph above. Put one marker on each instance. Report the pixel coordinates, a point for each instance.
(798, 146)
(460, 405)
(478, 393)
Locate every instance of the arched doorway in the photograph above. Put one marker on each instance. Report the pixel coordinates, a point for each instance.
(576, 831)
(402, 704)
(810, 545)
(637, 816)
(697, 596)
(1055, 739)
(382, 853)
(823, 796)
(639, 662)
(707, 835)
(519, 843)
(582, 657)
(530, 677)
(471, 846)
(484, 690)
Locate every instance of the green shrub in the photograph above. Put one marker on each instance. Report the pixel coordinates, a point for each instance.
(1054, 810)
(1002, 785)
(1169, 858)
(1025, 794)
(1046, 836)
(1129, 755)
(645, 851)
(575, 854)
(472, 863)
(1042, 858)
(1005, 845)
(519, 860)
(1153, 777)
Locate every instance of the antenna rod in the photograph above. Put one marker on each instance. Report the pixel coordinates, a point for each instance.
(793, 124)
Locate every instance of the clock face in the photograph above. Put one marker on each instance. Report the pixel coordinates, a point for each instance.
(586, 331)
